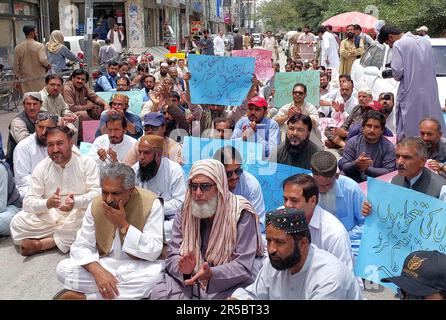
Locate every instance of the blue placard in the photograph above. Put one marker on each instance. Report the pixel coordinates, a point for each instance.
(220, 80)
(269, 174)
(84, 148)
(135, 99)
(195, 148)
(402, 221)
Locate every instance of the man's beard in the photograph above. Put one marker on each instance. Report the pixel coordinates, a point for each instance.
(287, 262)
(41, 142)
(293, 149)
(147, 172)
(328, 201)
(205, 210)
(163, 73)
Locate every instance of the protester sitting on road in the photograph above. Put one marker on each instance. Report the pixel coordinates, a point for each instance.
(296, 268)
(411, 157)
(114, 145)
(215, 240)
(368, 154)
(117, 251)
(31, 151)
(61, 188)
(155, 123)
(23, 124)
(297, 149)
(423, 276)
(10, 200)
(119, 104)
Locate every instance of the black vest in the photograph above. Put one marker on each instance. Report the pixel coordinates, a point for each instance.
(428, 183)
(11, 141)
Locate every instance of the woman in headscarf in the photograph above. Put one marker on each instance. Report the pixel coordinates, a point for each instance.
(215, 240)
(58, 53)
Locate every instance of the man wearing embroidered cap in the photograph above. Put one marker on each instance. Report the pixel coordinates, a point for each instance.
(119, 105)
(215, 240)
(423, 276)
(256, 127)
(297, 269)
(161, 176)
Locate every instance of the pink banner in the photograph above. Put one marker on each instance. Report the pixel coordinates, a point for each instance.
(89, 129)
(263, 67)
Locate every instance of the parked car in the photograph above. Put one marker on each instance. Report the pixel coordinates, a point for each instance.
(76, 44)
(366, 71)
(257, 38)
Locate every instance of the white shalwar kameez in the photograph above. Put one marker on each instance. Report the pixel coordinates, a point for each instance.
(103, 142)
(330, 51)
(136, 277)
(27, 155)
(80, 177)
(323, 277)
(169, 183)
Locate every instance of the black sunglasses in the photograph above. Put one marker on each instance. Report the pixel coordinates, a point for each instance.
(203, 186)
(238, 172)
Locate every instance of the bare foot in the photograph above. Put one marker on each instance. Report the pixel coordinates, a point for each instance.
(30, 247)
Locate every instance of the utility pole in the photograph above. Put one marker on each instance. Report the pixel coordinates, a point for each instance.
(88, 34)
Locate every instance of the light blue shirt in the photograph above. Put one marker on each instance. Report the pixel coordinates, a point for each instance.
(107, 82)
(268, 133)
(249, 188)
(349, 199)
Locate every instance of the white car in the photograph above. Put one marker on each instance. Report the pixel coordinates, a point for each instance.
(366, 72)
(76, 44)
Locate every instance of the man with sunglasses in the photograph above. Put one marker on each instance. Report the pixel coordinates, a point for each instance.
(119, 104)
(241, 182)
(299, 105)
(423, 276)
(256, 127)
(215, 240)
(162, 176)
(31, 151)
(155, 123)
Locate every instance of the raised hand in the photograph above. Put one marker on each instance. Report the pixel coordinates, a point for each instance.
(186, 265)
(204, 274)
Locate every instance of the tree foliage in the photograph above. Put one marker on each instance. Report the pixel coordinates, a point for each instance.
(406, 14)
(277, 15)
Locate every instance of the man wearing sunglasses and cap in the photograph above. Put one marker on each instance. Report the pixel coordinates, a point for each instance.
(256, 127)
(215, 240)
(296, 268)
(423, 276)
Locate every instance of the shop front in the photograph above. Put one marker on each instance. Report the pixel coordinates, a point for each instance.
(13, 16)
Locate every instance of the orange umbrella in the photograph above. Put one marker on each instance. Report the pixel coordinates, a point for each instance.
(341, 21)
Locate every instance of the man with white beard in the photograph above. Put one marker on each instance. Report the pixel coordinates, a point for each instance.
(215, 240)
(162, 176)
(339, 195)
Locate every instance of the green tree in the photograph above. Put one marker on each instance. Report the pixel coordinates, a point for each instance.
(277, 15)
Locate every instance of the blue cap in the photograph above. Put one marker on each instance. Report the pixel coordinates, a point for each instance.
(154, 119)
